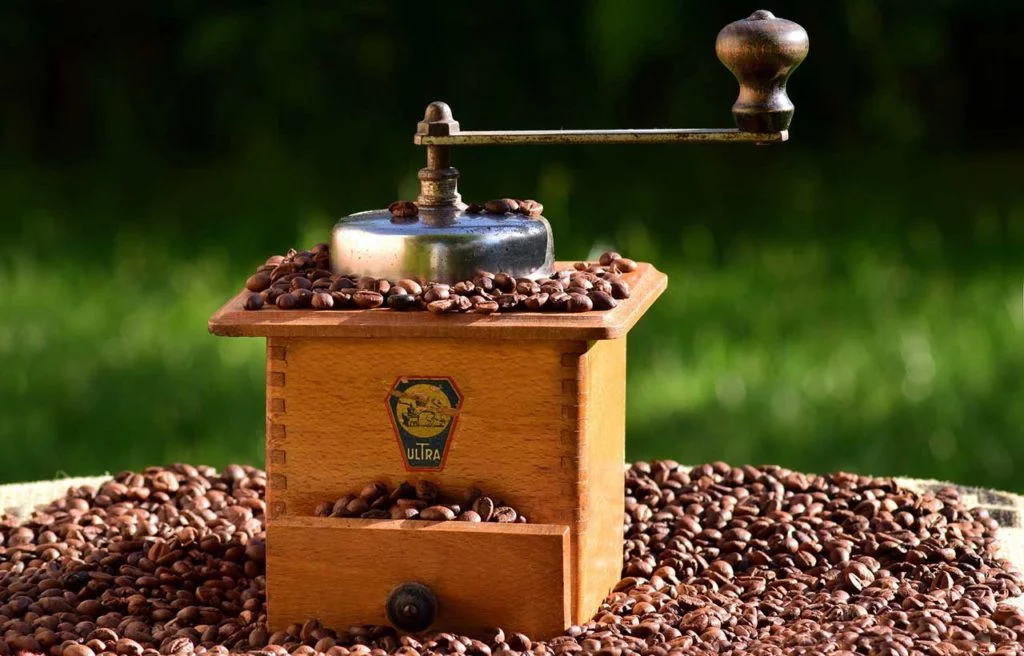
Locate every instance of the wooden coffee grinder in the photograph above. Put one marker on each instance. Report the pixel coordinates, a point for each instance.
(533, 402)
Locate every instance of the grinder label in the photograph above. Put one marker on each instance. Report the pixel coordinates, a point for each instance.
(424, 413)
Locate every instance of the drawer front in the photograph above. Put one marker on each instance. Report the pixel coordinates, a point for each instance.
(341, 571)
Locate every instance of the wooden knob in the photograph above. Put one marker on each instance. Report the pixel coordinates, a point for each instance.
(411, 607)
(762, 51)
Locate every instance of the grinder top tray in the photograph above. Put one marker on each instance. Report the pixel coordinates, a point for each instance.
(646, 285)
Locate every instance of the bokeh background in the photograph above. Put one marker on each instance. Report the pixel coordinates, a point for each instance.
(850, 300)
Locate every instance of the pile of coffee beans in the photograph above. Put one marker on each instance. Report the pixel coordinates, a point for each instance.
(717, 560)
(303, 280)
(420, 500)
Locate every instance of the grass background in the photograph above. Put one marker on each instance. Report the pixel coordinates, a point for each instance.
(852, 299)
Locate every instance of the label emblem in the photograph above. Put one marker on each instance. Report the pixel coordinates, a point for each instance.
(424, 412)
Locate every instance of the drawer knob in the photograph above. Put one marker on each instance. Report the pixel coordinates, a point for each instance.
(411, 607)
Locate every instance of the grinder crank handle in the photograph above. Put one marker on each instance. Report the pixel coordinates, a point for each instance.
(762, 51)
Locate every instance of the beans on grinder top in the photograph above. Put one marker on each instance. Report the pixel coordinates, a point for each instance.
(302, 280)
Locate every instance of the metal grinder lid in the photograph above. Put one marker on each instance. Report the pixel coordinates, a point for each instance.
(445, 241)
(442, 244)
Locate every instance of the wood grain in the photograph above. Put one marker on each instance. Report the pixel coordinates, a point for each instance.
(541, 426)
(646, 283)
(342, 570)
(598, 551)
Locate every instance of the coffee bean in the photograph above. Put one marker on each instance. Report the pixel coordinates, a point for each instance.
(288, 301)
(579, 303)
(530, 208)
(366, 300)
(301, 283)
(536, 303)
(402, 302)
(501, 206)
(504, 282)
(373, 491)
(437, 293)
(473, 208)
(323, 509)
(507, 302)
(469, 516)
(437, 513)
(398, 512)
(484, 507)
(504, 514)
(443, 306)
(375, 513)
(322, 301)
(258, 282)
(403, 209)
(342, 283)
(253, 302)
(624, 265)
(486, 307)
(620, 289)
(410, 286)
(602, 300)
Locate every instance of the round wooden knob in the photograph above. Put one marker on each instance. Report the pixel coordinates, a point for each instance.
(762, 51)
(411, 607)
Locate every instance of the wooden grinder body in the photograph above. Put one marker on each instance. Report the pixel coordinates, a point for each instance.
(540, 424)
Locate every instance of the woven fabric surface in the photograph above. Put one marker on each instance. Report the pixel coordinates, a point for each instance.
(1008, 509)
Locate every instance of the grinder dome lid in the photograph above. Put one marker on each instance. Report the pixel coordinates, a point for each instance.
(440, 237)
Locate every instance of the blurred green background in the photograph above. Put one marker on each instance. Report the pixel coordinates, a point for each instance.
(850, 300)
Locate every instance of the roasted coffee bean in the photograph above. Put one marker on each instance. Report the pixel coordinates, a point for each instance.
(410, 286)
(620, 288)
(536, 303)
(253, 302)
(507, 302)
(526, 287)
(486, 307)
(322, 301)
(501, 206)
(484, 283)
(403, 209)
(505, 514)
(504, 282)
(608, 257)
(463, 288)
(461, 303)
(366, 300)
(437, 513)
(469, 516)
(530, 208)
(402, 302)
(473, 208)
(342, 283)
(602, 300)
(323, 509)
(304, 297)
(301, 283)
(443, 306)
(437, 292)
(258, 282)
(341, 300)
(288, 301)
(579, 303)
(624, 265)
(373, 491)
(375, 513)
(484, 506)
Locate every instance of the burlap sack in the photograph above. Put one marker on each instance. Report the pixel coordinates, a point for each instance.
(1005, 508)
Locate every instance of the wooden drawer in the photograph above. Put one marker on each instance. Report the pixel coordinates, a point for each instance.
(341, 572)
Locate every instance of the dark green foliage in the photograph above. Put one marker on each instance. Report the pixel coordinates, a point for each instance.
(849, 300)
